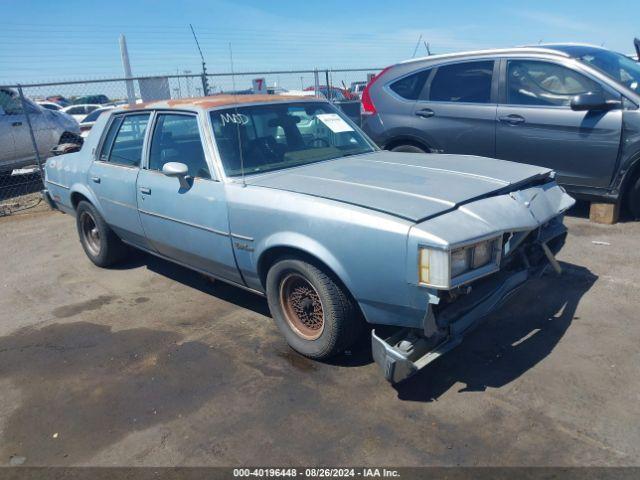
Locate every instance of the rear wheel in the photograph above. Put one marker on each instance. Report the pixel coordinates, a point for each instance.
(633, 199)
(408, 149)
(316, 316)
(100, 243)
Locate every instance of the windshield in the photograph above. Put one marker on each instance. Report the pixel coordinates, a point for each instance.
(622, 69)
(284, 135)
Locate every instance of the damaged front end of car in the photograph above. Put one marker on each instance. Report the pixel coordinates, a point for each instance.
(469, 261)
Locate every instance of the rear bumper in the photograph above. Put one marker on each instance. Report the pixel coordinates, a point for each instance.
(49, 201)
(406, 351)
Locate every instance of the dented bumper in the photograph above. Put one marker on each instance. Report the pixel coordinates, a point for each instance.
(405, 351)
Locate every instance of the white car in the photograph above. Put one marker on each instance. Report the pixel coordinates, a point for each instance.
(87, 122)
(80, 111)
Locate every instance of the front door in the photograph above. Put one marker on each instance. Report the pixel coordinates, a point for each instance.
(114, 172)
(456, 110)
(188, 224)
(536, 124)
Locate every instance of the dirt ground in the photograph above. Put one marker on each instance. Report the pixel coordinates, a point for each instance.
(150, 364)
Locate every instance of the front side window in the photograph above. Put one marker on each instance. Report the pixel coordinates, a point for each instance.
(126, 148)
(468, 82)
(410, 86)
(275, 136)
(176, 138)
(531, 82)
(622, 69)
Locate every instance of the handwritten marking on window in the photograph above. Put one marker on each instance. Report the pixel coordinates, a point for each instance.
(237, 118)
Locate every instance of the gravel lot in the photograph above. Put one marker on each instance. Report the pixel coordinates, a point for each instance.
(150, 364)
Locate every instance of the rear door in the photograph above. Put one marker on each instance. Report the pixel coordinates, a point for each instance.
(456, 109)
(114, 172)
(188, 225)
(536, 124)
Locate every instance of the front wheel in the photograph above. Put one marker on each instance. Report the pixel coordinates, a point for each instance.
(316, 316)
(100, 243)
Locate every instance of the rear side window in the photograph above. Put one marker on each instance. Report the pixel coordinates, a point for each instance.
(176, 138)
(468, 82)
(126, 148)
(544, 83)
(410, 86)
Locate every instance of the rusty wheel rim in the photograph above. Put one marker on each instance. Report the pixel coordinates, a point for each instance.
(302, 306)
(90, 233)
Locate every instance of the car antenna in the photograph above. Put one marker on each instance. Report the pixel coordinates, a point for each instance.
(237, 115)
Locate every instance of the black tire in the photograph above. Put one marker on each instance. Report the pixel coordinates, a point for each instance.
(633, 199)
(341, 323)
(100, 243)
(408, 149)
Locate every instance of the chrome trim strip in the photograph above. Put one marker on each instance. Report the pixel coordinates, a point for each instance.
(182, 222)
(115, 202)
(242, 237)
(57, 184)
(204, 272)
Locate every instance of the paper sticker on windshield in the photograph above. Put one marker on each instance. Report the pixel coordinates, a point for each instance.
(335, 123)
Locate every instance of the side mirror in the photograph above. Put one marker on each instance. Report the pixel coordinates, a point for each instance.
(178, 170)
(593, 101)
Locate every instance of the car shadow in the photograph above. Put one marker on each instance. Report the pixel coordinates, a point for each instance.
(510, 342)
(219, 289)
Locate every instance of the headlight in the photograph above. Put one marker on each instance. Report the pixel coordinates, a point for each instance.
(449, 268)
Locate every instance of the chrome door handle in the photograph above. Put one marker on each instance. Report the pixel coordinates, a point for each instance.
(425, 113)
(512, 119)
(145, 190)
(95, 179)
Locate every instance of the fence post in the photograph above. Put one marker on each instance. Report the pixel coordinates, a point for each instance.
(33, 137)
(326, 78)
(316, 80)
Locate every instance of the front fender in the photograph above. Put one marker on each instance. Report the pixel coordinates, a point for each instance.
(300, 242)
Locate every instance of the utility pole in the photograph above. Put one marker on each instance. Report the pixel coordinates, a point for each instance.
(124, 54)
(415, 50)
(205, 81)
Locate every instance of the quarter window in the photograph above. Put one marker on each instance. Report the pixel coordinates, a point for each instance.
(544, 83)
(127, 145)
(468, 82)
(410, 86)
(176, 138)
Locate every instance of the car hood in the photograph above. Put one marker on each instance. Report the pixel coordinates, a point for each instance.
(411, 186)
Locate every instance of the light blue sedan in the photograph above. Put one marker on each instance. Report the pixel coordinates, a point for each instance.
(287, 198)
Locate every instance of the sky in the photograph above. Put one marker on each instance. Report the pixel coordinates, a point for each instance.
(44, 40)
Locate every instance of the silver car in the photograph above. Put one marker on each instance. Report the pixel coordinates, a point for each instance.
(571, 108)
(285, 197)
(51, 128)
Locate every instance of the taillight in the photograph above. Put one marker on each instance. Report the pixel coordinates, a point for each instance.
(367, 107)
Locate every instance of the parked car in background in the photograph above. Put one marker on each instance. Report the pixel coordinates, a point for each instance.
(333, 94)
(79, 112)
(49, 105)
(311, 214)
(572, 108)
(89, 121)
(50, 127)
(59, 99)
(99, 99)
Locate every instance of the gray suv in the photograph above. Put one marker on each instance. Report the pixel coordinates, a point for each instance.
(572, 108)
(51, 128)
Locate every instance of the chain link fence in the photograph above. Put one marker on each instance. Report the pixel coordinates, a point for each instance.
(36, 118)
